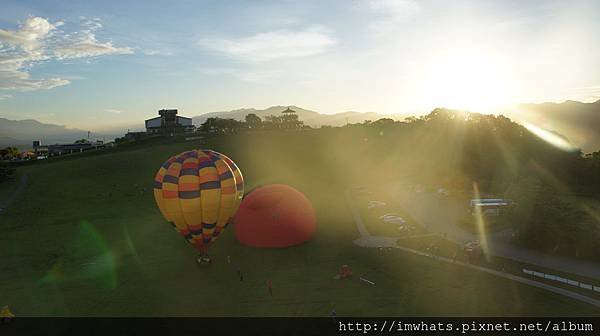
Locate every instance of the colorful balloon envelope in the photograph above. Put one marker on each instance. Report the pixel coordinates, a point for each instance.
(198, 192)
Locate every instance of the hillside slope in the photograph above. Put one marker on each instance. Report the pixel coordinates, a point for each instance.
(85, 238)
(580, 122)
(25, 131)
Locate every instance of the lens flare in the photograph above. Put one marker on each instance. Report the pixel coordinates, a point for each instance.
(99, 265)
(480, 221)
(550, 137)
(102, 266)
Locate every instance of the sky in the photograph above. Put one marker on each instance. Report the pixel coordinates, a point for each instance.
(96, 64)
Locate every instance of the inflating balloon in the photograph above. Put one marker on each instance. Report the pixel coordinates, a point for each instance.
(274, 216)
(198, 192)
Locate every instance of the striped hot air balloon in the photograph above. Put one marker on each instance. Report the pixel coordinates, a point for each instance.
(198, 192)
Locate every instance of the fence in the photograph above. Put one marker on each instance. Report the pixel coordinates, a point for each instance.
(562, 280)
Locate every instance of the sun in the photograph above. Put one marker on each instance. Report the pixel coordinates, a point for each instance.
(467, 79)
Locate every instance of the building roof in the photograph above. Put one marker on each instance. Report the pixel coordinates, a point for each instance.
(153, 118)
(167, 111)
(490, 204)
(288, 110)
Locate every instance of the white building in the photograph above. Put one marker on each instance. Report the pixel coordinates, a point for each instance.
(489, 206)
(169, 122)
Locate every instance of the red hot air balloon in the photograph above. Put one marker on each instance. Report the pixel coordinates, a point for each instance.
(274, 216)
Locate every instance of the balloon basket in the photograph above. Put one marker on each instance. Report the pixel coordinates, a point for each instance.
(204, 260)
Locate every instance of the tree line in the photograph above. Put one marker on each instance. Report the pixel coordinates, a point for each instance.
(252, 122)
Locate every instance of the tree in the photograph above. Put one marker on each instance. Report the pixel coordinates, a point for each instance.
(273, 121)
(253, 121)
(220, 125)
(9, 153)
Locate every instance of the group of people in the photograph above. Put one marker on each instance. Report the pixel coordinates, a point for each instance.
(241, 277)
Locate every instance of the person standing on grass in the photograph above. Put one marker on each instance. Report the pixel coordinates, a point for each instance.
(6, 315)
(270, 287)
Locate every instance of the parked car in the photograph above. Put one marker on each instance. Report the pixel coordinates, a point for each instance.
(394, 220)
(389, 214)
(376, 204)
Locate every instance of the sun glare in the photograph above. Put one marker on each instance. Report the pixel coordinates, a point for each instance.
(550, 137)
(469, 79)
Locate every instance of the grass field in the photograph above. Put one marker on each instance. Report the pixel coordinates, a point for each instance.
(85, 238)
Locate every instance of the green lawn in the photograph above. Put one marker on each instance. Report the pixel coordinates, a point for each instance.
(8, 186)
(85, 238)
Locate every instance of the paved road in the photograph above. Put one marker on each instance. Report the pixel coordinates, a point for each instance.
(366, 240)
(442, 215)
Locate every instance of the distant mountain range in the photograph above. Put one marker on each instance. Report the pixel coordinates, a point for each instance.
(310, 118)
(21, 133)
(579, 122)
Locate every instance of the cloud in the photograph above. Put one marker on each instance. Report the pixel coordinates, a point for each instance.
(242, 75)
(86, 45)
(20, 81)
(256, 76)
(395, 8)
(5, 96)
(273, 45)
(153, 52)
(38, 40)
(29, 34)
(389, 13)
(586, 94)
(113, 111)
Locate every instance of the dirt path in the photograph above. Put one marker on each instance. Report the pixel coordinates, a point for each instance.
(12, 196)
(366, 240)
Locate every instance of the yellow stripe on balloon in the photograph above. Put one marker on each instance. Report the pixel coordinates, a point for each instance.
(197, 192)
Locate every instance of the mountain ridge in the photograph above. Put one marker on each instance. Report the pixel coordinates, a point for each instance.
(577, 121)
(310, 117)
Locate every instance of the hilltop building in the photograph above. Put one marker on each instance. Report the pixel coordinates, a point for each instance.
(290, 119)
(168, 122)
(42, 151)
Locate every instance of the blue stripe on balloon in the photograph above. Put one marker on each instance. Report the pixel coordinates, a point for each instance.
(205, 164)
(210, 185)
(189, 171)
(189, 194)
(209, 225)
(170, 179)
(226, 175)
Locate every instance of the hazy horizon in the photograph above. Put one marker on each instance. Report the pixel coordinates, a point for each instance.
(107, 128)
